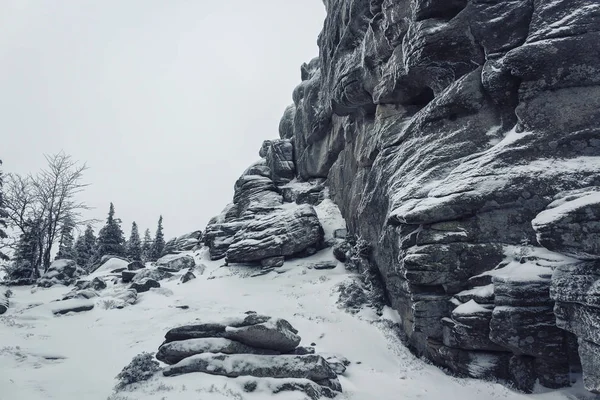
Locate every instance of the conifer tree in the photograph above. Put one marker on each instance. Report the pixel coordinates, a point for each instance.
(146, 246)
(134, 246)
(159, 242)
(110, 237)
(29, 251)
(66, 245)
(85, 248)
(3, 216)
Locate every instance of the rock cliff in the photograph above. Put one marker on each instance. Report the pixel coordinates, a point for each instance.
(461, 140)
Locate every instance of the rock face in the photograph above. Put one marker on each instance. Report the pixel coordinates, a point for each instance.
(282, 233)
(571, 225)
(251, 346)
(455, 137)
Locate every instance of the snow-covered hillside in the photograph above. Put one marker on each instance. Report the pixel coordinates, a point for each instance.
(77, 356)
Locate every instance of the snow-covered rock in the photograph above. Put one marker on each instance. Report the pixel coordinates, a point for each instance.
(311, 366)
(571, 224)
(173, 352)
(176, 262)
(144, 285)
(253, 330)
(72, 305)
(61, 272)
(281, 233)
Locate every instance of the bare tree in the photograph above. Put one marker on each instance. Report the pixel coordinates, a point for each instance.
(49, 198)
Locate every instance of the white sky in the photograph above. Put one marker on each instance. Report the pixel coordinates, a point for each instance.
(168, 101)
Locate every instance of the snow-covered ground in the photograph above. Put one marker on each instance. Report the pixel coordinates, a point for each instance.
(77, 356)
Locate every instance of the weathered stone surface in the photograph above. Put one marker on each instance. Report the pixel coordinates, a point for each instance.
(144, 285)
(272, 262)
(310, 366)
(281, 233)
(571, 224)
(173, 352)
(176, 262)
(279, 155)
(150, 273)
(274, 334)
(590, 361)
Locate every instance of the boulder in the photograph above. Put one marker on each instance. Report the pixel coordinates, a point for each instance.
(61, 272)
(135, 265)
(72, 305)
(96, 284)
(310, 366)
(4, 303)
(176, 262)
(188, 276)
(282, 233)
(253, 330)
(274, 334)
(272, 262)
(173, 352)
(321, 265)
(151, 273)
(144, 285)
(127, 276)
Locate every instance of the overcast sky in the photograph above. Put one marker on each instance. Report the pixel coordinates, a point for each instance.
(167, 101)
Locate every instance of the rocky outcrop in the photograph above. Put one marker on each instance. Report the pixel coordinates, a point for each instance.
(281, 233)
(570, 225)
(251, 346)
(456, 137)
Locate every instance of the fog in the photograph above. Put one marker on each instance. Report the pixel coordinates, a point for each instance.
(167, 101)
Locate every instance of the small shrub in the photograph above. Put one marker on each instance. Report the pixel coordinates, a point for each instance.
(141, 368)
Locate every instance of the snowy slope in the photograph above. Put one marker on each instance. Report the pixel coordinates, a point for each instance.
(77, 356)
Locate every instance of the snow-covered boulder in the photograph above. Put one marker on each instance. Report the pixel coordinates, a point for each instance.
(72, 305)
(176, 262)
(144, 285)
(135, 265)
(173, 352)
(282, 233)
(111, 264)
(150, 273)
(61, 272)
(311, 366)
(253, 330)
(185, 242)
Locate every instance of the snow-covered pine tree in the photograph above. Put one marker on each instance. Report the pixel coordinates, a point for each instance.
(159, 242)
(110, 237)
(66, 245)
(28, 254)
(146, 246)
(3, 216)
(134, 245)
(85, 248)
